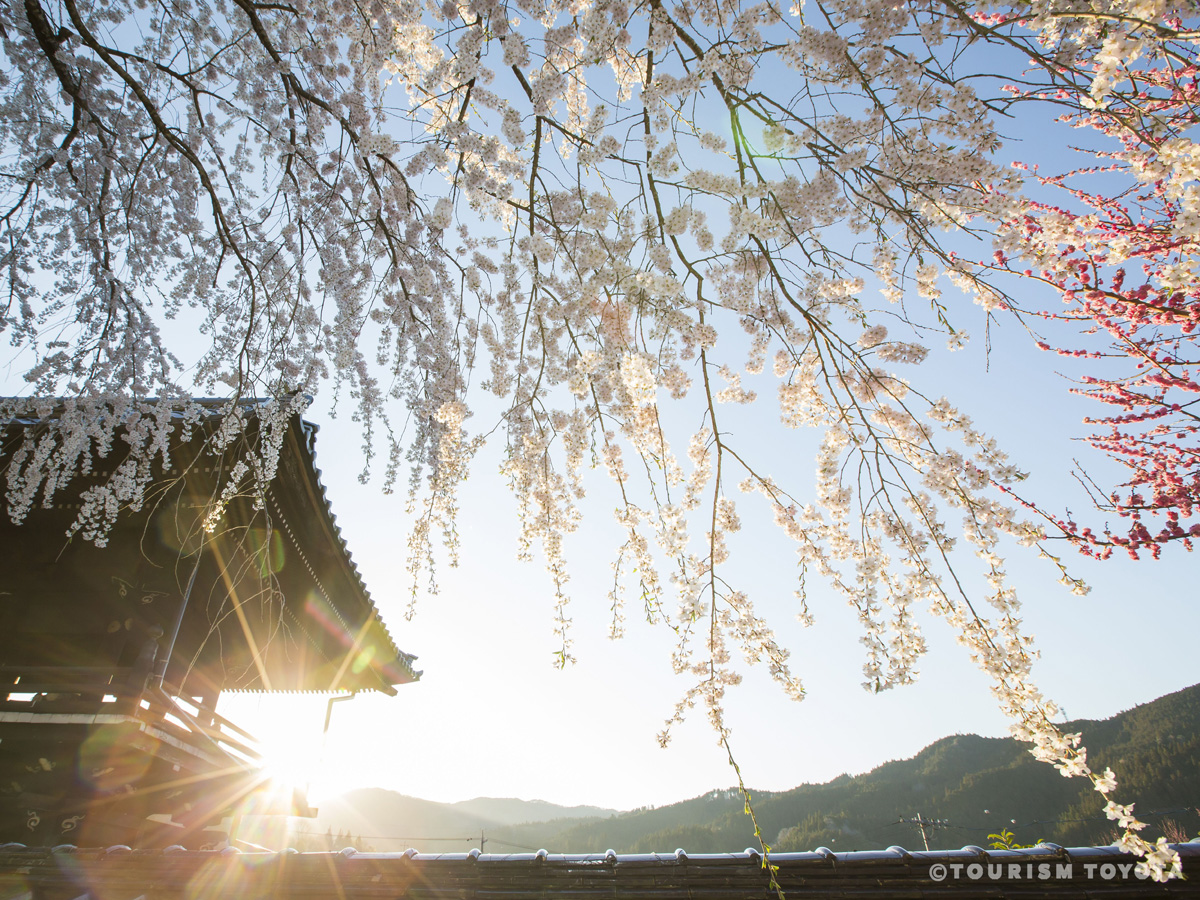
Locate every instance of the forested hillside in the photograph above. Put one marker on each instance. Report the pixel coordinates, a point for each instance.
(968, 785)
(976, 785)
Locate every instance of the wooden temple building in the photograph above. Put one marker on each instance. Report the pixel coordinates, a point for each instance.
(112, 658)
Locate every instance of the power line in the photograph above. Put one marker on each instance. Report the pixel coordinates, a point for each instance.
(391, 837)
(921, 822)
(518, 846)
(930, 824)
(1096, 818)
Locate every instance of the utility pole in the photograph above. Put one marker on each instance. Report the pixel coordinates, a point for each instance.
(921, 822)
(482, 840)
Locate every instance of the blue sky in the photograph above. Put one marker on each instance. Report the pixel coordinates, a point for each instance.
(492, 716)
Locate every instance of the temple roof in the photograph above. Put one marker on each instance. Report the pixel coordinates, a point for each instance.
(1046, 871)
(274, 600)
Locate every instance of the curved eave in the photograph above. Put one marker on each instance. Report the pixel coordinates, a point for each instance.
(351, 619)
(399, 668)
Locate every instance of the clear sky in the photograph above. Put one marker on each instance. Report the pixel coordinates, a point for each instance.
(492, 716)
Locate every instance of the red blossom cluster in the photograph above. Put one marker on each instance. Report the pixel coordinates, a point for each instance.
(1127, 266)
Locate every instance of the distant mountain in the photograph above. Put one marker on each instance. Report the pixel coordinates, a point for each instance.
(972, 786)
(515, 812)
(977, 785)
(386, 820)
(391, 821)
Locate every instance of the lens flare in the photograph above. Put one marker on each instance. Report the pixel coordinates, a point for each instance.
(268, 549)
(115, 757)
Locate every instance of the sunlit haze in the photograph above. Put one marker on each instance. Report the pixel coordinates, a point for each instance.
(492, 716)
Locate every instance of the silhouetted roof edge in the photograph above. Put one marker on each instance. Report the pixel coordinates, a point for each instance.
(307, 434)
(892, 873)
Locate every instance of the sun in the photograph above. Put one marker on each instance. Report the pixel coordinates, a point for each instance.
(291, 763)
(290, 739)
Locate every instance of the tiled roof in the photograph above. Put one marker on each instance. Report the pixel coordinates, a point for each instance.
(335, 638)
(401, 669)
(118, 873)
